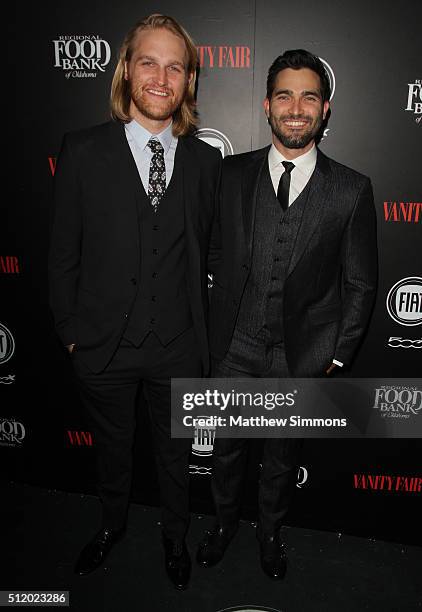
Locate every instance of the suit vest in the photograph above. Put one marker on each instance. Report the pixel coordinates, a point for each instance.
(161, 304)
(274, 237)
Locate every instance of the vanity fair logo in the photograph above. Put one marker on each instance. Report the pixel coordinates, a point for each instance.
(9, 265)
(12, 432)
(402, 212)
(78, 438)
(404, 301)
(7, 344)
(386, 482)
(216, 139)
(414, 99)
(52, 165)
(81, 56)
(224, 56)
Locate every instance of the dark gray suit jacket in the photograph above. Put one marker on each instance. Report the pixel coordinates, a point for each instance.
(331, 279)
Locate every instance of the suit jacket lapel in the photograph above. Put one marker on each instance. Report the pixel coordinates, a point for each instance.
(314, 209)
(251, 174)
(121, 158)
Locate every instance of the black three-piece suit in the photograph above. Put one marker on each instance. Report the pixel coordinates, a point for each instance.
(292, 291)
(129, 288)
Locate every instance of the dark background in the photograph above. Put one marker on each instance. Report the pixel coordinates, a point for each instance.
(374, 56)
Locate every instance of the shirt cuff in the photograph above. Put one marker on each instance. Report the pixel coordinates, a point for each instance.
(338, 363)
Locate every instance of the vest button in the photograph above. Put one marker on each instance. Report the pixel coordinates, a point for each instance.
(155, 228)
(133, 281)
(154, 275)
(155, 251)
(153, 298)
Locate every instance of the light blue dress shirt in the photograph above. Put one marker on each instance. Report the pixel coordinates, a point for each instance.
(138, 137)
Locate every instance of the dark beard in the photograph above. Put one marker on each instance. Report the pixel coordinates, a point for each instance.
(299, 141)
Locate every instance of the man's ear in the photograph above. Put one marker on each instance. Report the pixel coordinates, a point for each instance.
(266, 105)
(325, 109)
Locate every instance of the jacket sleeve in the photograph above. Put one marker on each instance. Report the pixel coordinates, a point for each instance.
(65, 245)
(359, 274)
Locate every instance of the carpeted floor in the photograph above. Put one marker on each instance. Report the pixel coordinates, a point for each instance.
(43, 532)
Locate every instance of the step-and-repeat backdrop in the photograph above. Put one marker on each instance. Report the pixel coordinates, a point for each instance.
(63, 58)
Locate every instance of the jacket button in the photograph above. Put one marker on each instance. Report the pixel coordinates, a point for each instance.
(245, 267)
(152, 321)
(133, 281)
(125, 315)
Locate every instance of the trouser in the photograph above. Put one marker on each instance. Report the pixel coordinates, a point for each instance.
(110, 401)
(254, 358)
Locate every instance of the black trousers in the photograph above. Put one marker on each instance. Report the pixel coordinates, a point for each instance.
(254, 357)
(110, 398)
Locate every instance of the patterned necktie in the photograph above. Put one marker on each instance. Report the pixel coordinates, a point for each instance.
(157, 174)
(284, 185)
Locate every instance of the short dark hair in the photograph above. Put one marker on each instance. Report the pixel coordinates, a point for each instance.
(296, 59)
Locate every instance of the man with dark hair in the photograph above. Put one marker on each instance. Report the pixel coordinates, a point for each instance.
(294, 259)
(134, 202)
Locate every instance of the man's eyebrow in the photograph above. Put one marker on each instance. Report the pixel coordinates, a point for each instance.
(306, 92)
(154, 59)
(277, 92)
(312, 92)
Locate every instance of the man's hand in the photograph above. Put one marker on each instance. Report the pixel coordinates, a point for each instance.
(332, 367)
(70, 347)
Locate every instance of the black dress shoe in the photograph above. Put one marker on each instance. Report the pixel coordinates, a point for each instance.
(178, 563)
(273, 557)
(212, 548)
(94, 553)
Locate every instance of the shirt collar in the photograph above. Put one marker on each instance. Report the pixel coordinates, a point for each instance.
(306, 162)
(141, 136)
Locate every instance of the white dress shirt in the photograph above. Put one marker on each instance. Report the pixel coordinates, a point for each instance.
(299, 176)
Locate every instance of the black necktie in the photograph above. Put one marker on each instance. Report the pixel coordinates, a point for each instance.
(284, 185)
(157, 174)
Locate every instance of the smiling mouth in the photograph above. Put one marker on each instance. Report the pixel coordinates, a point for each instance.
(295, 124)
(157, 92)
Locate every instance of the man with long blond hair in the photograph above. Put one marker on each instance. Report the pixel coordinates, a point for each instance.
(134, 201)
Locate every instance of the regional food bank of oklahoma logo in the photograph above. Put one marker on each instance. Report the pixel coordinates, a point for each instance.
(414, 99)
(404, 301)
(81, 56)
(216, 139)
(7, 344)
(398, 402)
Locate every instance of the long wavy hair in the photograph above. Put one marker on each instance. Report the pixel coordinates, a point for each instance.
(184, 118)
